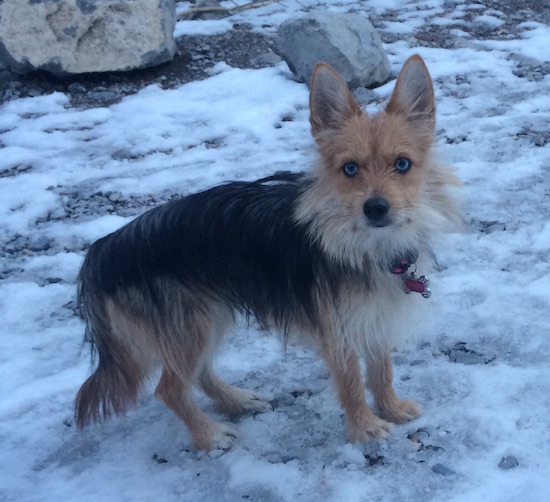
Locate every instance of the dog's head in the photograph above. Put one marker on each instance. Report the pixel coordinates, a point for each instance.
(376, 191)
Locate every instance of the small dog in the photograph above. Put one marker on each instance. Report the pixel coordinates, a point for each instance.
(322, 254)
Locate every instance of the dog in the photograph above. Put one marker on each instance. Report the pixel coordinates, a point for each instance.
(321, 255)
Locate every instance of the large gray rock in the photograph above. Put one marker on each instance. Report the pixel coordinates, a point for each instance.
(80, 36)
(348, 42)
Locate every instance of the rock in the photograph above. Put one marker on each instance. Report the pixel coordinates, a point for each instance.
(103, 97)
(267, 59)
(419, 362)
(509, 462)
(364, 96)
(488, 226)
(39, 244)
(82, 36)
(52, 280)
(115, 196)
(374, 460)
(467, 357)
(207, 9)
(282, 400)
(122, 154)
(348, 42)
(76, 88)
(442, 470)
(419, 436)
(496, 226)
(460, 353)
(159, 460)
(538, 140)
(58, 213)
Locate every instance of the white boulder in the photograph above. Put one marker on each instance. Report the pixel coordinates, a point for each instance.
(81, 36)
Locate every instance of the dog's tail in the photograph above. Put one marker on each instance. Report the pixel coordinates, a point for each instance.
(118, 378)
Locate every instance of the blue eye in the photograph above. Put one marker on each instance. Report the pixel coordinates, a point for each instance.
(402, 164)
(350, 169)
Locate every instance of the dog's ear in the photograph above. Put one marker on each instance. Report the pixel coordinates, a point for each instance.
(413, 95)
(330, 101)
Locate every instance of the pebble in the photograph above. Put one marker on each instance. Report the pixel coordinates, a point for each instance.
(77, 88)
(34, 92)
(57, 214)
(40, 244)
(159, 460)
(508, 462)
(206, 14)
(364, 96)
(538, 140)
(419, 436)
(282, 400)
(495, 227)
(418, 362)
(122, 154)
(267, 59)
(441, 469)
(115, 196)
(52, 280)
(466, 357)
(103, 96)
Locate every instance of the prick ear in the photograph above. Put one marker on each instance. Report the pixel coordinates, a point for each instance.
(330, 100)
(413, 95)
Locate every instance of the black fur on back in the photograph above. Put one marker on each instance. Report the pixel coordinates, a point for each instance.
(238, 243)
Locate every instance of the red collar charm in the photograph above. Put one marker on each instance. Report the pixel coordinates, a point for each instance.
(410, 281)
(417, 284)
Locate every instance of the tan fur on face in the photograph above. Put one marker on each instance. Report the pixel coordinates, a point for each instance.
(421, 204)
(374, 144)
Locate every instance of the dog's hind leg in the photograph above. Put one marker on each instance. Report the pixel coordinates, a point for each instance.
(207, 434)
(380, 382)
(187, 338)
(362, 423)
(230, 399)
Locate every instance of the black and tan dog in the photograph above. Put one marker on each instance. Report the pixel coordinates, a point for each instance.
(319, 255)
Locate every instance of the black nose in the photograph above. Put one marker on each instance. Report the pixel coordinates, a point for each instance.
(376, 210)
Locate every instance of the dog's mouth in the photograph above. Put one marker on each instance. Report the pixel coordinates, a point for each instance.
(385, 222)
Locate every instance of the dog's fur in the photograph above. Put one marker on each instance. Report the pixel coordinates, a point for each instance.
(301, 253)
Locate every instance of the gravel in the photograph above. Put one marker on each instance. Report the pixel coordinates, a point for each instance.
(243, 47)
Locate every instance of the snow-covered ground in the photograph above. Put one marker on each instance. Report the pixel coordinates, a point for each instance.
(492, 291)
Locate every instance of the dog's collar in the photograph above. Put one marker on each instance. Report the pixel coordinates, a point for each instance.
(406, 267)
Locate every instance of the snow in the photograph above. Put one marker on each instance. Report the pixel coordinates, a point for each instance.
(492, 290)
(206, 27)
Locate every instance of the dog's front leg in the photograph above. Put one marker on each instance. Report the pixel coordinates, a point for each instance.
(362, 423)
(380, 382)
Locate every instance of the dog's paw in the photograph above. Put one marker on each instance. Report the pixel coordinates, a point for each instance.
(401, 411)
(224, 438)
(368, 427)
(256, 404)
(215, 436)
(244, 401)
